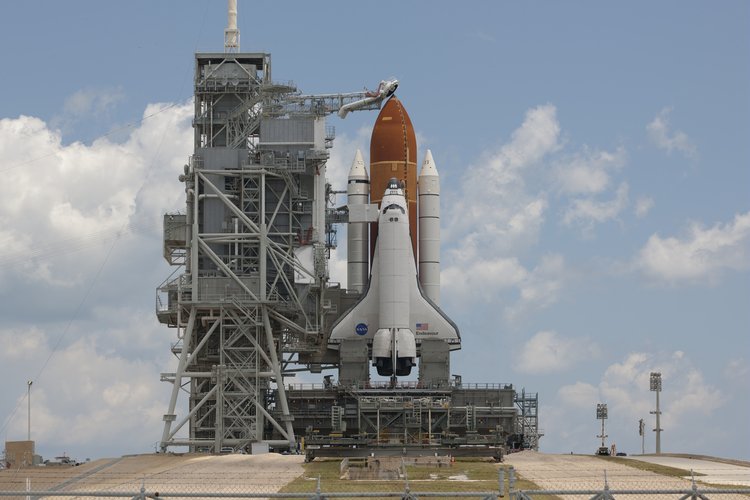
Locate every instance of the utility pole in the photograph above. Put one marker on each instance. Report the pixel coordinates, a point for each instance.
(656, 387)
(28, 397)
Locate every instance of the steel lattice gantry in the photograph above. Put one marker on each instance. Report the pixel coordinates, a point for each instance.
(252, 243)
(528, 419)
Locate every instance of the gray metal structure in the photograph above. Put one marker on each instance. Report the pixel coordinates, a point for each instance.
(528, 419)
(655, 386)
(251, 299)
(411, 419)
(602, 414)
(253, 242)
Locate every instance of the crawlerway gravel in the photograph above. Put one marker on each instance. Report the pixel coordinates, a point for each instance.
(163, 473)
(580, 472)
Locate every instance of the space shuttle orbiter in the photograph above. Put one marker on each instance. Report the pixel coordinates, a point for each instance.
(393, 312)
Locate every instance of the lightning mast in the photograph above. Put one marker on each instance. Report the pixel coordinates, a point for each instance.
(231, 34)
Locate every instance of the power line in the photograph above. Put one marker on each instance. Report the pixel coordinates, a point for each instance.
(108, 134)
(118, 234)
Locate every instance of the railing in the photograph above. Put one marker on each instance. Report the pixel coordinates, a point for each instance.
(370, 385)
(13, 484)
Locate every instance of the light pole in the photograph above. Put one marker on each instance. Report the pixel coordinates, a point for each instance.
(601, 414)
(656, 387)
(28, 397)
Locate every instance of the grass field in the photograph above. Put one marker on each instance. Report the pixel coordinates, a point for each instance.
(462, 476)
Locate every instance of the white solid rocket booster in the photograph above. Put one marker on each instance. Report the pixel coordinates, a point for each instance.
(429, 229)
(357, 246)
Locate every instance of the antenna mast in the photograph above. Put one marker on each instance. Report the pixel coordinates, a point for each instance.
(231, 34)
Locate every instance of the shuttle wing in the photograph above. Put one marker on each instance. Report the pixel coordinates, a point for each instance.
(361, 320)
(427, 321)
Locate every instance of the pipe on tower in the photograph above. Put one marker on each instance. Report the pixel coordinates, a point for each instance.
(232, 14)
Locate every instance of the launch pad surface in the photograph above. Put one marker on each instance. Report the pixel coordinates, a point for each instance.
(192, 473)
(712, 470)
(581, 472)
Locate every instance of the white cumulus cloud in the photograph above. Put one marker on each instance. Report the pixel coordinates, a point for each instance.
(75, 196)
(80, 258)
(493, 205)
(588, 171)
(738, 371)
(688, 402)
(93, 100)
(540, 287)
(494, 216)
(548, 351)
(587, 211)
(87, 398)
(660, 134)
(482, 279)
(702, 254)
(643, 206)
(92, 104)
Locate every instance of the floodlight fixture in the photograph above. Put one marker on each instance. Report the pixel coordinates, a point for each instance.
(601, 411)
(655, 381)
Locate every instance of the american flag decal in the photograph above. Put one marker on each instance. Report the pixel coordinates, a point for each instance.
(422, 327)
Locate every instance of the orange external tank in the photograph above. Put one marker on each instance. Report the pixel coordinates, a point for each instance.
(393, 153)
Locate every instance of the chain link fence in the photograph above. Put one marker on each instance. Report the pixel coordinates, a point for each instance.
(606, 493)
(294, 484)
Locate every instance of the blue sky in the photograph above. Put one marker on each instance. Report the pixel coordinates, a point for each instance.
(595, 166)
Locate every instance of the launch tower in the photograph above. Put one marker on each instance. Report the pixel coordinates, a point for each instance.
(251, 300)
